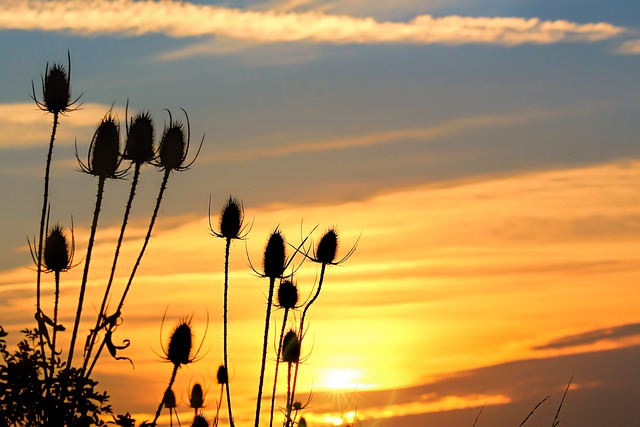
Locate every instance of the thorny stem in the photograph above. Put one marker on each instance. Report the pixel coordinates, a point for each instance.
(287, 419)
(45, 203)
(85, 275)
(272, 282)
(102, 313)
(304, 313)
(226, 322)
(173, 378)
(275, 377)
(55, 320)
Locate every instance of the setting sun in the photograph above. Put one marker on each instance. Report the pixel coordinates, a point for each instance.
(340, 378)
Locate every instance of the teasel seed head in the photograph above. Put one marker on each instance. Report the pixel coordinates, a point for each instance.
(222, 376)
(169, 399)
(58, 254)
(287, 295)
(139, 146)
(196, 398)
(104, 151)
(200, 421)
(291, 348)
(231, 219)
(275, 256)
(180, 344)
(327, 247)
(302, 422)
(56, 89)
(173, 147)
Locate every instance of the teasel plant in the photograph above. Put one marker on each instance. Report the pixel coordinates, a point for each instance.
(56, 100)
(139, 150)
(231, 227)
(103, 162)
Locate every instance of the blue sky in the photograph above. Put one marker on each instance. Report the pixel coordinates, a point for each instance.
(316, 104)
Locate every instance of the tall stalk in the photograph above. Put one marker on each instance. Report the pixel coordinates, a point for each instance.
(226, 324)
(272, 282)
(278, 357)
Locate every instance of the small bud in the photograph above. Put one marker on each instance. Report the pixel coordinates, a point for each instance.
(287, 295)
(139, 146)
(222, 376)
(231, 219)
(196, 399)
(199, 421)
(169, 399)
(274, 256)
(291, 348)
(180, 344)
(327, 247)
(57, 255)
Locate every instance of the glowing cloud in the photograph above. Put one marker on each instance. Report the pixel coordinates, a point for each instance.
(183, 19)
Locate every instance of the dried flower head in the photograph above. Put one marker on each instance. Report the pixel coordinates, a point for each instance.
(56, 89)
(169, 399)
(140, 135)
(287, 295)
(291, 348)
(222, 376)
(302, 422)
(200, 421)
(180, 344)
(327, 247)
(104, 158)
(174, 145)
(58, 253)
(231, 219)
(275, 257)
(196, 398)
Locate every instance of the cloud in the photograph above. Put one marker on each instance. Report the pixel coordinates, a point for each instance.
(593, 337)
(183, 19)
(630, 47)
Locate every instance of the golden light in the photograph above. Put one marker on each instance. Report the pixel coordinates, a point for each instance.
(340, 378)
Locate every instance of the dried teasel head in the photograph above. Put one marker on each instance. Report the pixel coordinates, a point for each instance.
(180, 348)
(291, 347)
(196, 398)
(222, 375)
(174, 145)
(327, 247)
(169, 399)
(104, 152)
(231, 219)
(140, 135)
(200, 421)
(287, 295)
(275, 256)
(56, 89)
(58, 253)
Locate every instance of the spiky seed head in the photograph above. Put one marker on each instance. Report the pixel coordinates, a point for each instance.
(291, 348)
(139, 146)
(104, 158)
(222, 376)
(56, 91)
(200, 421)
(327, 247)
(180, 344)
(231, 219)
(302, 422)
(287, 295)
(274, 255)
(297, 405)
(196, 398)
(169, 399)
(173, 147)
(57, 254)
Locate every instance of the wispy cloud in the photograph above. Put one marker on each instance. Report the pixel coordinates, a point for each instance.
(630, 47)
(183, 19)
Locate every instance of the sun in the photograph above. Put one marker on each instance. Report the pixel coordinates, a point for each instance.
(340, 378)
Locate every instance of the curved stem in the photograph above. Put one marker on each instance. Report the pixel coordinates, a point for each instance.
(278, 357)
(226, 323)
(85, 275)
(45, 203)
(102, 314)
(163, 187)
(171, 380)
(304, 314)
(272, 282)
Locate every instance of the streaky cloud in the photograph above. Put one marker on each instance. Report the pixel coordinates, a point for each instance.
(593, 337)
(180, 19)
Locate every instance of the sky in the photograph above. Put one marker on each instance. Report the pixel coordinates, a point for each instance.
(482, 157)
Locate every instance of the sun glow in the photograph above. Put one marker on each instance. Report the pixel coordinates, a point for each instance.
(340, 378)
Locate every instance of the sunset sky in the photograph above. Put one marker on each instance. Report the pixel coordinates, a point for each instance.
(483, 155)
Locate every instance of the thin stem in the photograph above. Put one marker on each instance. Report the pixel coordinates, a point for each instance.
(278, 357)
(102, 313)
(85, 275)
(171, 380)
(272, 282)
(304, 314)
(287, 418)
(45, 203)
(163, 187)
(55, 320)
(226, 324)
